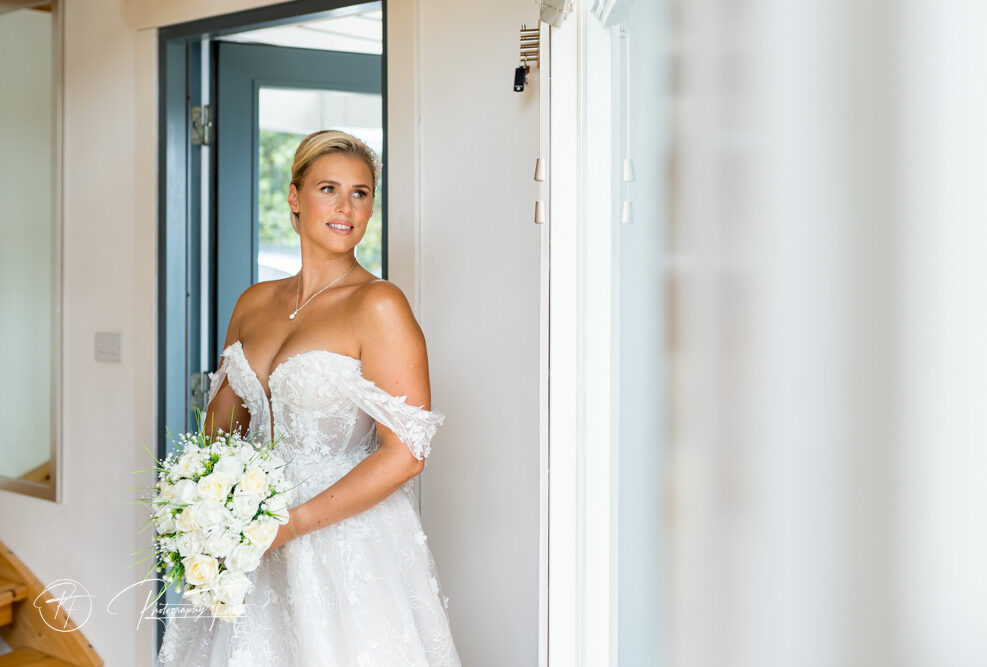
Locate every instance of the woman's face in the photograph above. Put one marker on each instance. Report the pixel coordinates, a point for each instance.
(334, 202)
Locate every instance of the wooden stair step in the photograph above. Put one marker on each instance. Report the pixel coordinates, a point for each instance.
(28, 657)
(12, 591)
(26, 625)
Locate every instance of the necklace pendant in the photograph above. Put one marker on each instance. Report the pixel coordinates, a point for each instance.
(292, 316)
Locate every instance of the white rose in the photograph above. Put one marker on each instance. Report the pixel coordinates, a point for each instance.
(226, 612)
(189, 544)
(253, 481)
(229, 465)
(231, 587)
(167, 492)
(221, 543)
(200, 570)
(245, 454)
(199, 597)
(219, 447)
(209, 513)
(279, 505)
(236, 525)
(245, 558)
(186, 492)
(186, 521)
(215, 486)
(190, 463)
(262, 531)
(164, 522)
(245, 505)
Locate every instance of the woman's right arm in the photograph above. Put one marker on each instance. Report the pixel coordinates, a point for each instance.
(226, 412)
(226, 409)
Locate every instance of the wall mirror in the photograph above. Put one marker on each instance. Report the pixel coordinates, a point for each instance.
(30, 247)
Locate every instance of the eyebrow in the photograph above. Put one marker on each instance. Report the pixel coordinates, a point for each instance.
(358, 185)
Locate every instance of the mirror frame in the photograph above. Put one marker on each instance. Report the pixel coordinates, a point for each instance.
(53, 490)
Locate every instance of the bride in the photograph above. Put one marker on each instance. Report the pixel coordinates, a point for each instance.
(333, 363)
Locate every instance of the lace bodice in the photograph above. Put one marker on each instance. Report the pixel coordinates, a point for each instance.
(323, 412)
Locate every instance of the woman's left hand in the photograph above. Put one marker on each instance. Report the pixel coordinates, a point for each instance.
(286, 531)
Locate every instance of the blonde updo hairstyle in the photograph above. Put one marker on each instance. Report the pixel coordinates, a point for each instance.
(326, 142)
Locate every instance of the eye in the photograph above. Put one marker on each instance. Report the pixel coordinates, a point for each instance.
(331, 189)
(361, 194)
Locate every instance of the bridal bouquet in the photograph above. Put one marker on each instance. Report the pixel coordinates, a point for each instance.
(216, 508)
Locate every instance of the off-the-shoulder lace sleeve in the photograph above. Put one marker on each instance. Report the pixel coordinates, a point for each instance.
(413, 425)
(216, 381)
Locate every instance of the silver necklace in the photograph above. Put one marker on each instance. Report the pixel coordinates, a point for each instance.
(298, 286)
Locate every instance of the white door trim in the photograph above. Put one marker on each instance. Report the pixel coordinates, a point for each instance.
(565, 423)
(581, 449)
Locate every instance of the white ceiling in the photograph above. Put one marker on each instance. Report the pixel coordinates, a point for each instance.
(359, 33)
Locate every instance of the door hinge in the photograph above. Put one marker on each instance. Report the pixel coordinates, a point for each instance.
(202, 125)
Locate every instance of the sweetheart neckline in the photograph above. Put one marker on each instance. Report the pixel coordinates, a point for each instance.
(270, 376)
(269, 400)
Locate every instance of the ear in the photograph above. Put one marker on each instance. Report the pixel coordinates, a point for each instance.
(293, 197)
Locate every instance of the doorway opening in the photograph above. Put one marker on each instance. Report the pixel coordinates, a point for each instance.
(236, 95)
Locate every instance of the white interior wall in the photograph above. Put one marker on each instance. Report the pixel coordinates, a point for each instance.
(475, 289)
(478, 303)
(109, 285)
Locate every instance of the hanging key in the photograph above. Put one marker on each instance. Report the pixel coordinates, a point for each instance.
(520, 78)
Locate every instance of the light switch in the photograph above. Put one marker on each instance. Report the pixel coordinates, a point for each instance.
(108, 346)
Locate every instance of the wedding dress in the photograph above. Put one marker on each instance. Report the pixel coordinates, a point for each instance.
(360, 592)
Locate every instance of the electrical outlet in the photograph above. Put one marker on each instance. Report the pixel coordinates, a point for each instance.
(108, 346)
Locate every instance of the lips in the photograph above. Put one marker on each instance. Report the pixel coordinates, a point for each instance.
(340, 227)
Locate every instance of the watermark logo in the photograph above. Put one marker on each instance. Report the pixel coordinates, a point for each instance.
(67, 595)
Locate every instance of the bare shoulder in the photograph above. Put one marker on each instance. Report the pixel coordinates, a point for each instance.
(252, 303)
(390, 338)
(382, 304)
(255, 298)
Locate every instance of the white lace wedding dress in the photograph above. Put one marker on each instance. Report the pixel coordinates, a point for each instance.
(363, 591)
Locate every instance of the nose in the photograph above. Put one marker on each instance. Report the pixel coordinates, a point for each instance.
(344, 204)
